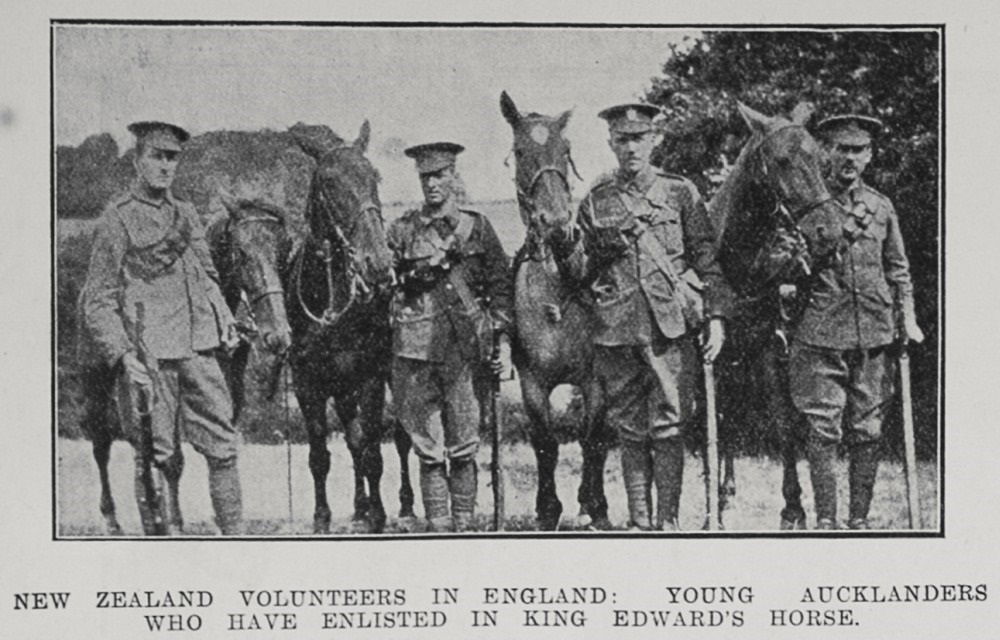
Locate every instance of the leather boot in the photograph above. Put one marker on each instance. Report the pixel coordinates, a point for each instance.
(227, 497)
(863, 469)
(637, 474)
(462, 483)
(822, 458)
(668, 473)
(434, 492)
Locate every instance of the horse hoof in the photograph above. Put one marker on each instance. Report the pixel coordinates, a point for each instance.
(728, 489)
(600, 523)
(321, 524)
(407, 524)
(705, 526)
(376, 521)
(793, 524)
(114, 529)
(361, 526)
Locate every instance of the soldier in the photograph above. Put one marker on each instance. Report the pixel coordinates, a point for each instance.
(839, 369)
(153, 310)
(454, 294)
(647, 252)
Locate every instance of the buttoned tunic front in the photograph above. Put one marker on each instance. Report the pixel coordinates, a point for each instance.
(154, 254)
(839, 362)
(456, 289)
(648, 364)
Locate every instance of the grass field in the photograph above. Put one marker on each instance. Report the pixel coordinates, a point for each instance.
(263, 467)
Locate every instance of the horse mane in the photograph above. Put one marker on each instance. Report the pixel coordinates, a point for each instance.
(730, 194)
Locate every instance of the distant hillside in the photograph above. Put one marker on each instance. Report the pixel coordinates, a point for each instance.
(264, 164)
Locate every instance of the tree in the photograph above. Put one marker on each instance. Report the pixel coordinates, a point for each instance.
(893, 75)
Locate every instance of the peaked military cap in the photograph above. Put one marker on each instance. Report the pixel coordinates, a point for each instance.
(631, 118)
(159, 135)
(434, 156)
(851, 127)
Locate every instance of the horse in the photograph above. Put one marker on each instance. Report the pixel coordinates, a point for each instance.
(769, 215)
(245, 245)
(337, 288)
(552, 343)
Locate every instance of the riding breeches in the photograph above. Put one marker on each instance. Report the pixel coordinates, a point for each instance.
(841, 391)
(649, 391)
(192, 395)
(436, 403)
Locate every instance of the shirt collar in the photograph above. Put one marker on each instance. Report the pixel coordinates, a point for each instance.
(641, 182)
(449, 210)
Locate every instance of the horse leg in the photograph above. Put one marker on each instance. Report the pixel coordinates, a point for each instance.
(98, 385)
(350, 414)
(314, 412)
(101, 443)
(594, 444)
(403, 446)
(785, 422)
(793, 516)
(548, 509)
(235, 369)
(369, 426)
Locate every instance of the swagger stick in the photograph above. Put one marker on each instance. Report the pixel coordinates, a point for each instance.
(909, 446)
(711, 449)
(496, 470)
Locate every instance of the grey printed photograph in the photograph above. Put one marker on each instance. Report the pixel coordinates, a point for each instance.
(428, 280)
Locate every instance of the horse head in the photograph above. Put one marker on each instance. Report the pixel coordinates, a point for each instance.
(344, 210)
(542, 165)
(257, 242)
(774, 200)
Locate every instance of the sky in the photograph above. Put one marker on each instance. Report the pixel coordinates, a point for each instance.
(413, 84)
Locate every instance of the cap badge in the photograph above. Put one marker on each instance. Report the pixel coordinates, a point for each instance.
(631, 114)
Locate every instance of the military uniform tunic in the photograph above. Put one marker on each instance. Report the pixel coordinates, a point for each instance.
(455, 289)
(838, 358)
(154, 253)
(645, 316)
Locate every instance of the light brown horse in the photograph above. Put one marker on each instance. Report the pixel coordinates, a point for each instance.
(553, 327)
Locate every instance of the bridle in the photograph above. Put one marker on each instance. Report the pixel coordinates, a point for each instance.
(238, 258)
(340, 245)
(525, 197)
(782, 211)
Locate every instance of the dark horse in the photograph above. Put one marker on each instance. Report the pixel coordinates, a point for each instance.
(770, 214)
(552, 345)
(245, 246)
(337, 293)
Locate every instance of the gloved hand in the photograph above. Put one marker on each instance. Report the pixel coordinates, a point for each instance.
(713, 336)
(563, 239)
(501, 365)
(136, 370)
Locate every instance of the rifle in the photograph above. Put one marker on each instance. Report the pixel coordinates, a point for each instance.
(152, 513)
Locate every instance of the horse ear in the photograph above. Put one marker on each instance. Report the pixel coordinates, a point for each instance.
(756, 120)
(563, 119)
(363, 136)
(509, 109)
(802, 112)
